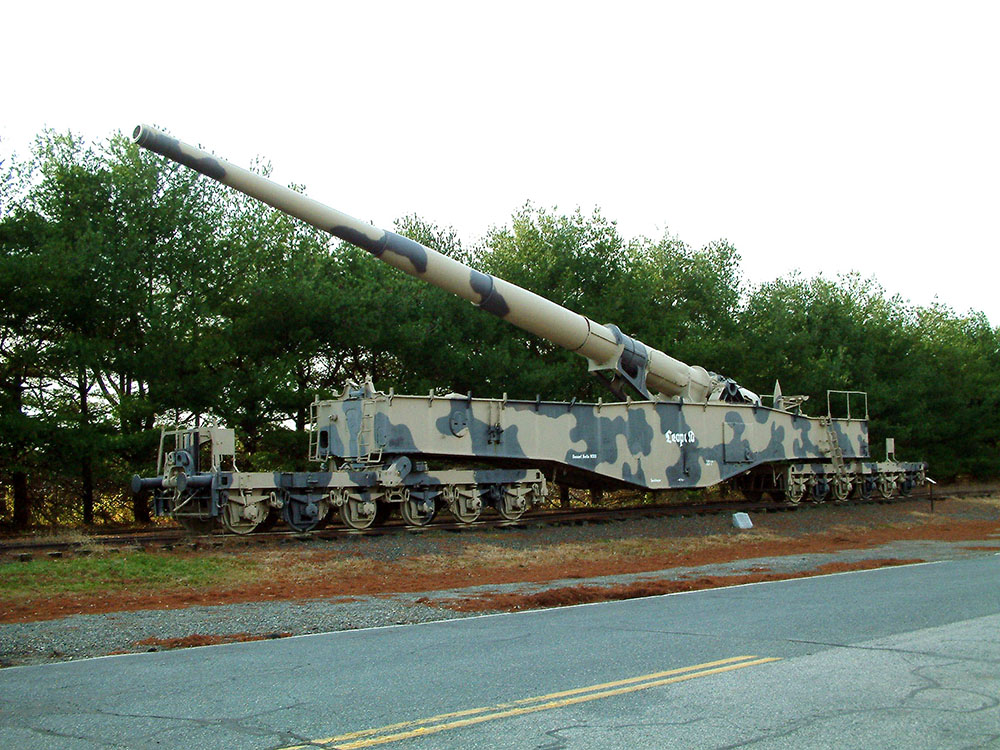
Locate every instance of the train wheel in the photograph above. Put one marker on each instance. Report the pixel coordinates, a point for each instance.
(193, 525)
(464, 504)
(906, 487)
(508, 513)
(360, 514)
(795, 488)
(244, 526)
(247, 515)
(417, 512)
(512, 504)
(466, 514)
(886, 486)
(302, 516)
(841, 489)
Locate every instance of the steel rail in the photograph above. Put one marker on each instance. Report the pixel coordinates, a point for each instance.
(547, 517)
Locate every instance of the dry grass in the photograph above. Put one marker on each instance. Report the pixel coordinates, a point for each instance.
(297, 564)
(478, 555)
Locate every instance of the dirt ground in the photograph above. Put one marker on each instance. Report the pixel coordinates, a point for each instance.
(437, 561)
(568, 595)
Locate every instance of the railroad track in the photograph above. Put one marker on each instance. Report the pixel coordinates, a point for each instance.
(26, 549)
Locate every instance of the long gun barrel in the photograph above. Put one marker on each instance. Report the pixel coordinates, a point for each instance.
(617, 357)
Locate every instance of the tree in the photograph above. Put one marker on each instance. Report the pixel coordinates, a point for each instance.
(269, 326)
(126, 249)
(23, 351)
(135, 293)
(686, 302)
(948, 393)
(575, 260)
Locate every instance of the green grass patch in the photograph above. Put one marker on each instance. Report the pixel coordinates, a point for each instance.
(119, 572)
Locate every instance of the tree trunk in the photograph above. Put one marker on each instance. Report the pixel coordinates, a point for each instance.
(87, 465)
(87, 491)
(22, 501)
(140, 507)
(21, 517)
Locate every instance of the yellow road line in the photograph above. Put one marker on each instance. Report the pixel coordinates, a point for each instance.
(433, 725)
(521, 702)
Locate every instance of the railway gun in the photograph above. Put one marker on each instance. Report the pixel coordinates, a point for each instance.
(670, 425)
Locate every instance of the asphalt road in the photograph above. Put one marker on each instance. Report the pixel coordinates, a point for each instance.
(898, 657)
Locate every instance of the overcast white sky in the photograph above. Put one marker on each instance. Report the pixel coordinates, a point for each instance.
(821, 137)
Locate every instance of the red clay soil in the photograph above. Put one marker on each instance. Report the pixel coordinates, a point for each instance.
(561, 597)
(198, 639)
(381, 578)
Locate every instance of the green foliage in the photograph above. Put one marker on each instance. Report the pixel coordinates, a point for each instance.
(690, 298)
(951, 386)
(578, 261)
(931, 375)
(136, 293)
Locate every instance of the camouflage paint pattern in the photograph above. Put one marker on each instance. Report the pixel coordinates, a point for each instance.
(651, 445)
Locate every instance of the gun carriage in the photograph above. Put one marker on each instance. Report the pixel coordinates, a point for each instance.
(671, 426)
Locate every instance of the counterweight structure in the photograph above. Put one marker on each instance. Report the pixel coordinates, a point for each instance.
(672, 426)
